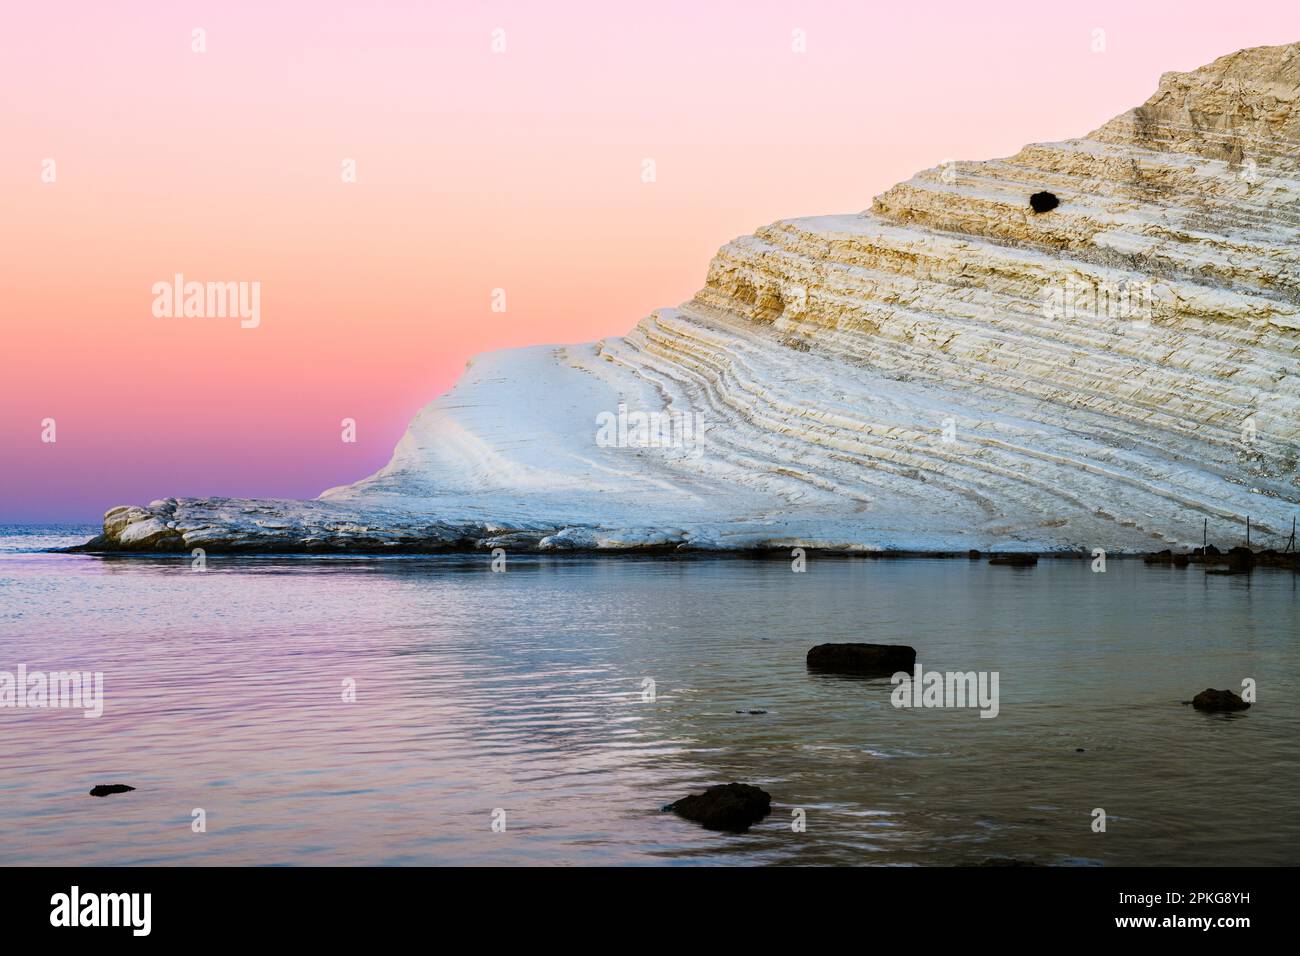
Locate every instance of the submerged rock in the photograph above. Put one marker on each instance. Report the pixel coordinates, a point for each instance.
(106, 789)
(883, 659)
(1218, 700)
(733, 807)
(1093, 365)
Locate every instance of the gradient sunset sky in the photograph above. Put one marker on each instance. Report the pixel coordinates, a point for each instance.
(476, 170)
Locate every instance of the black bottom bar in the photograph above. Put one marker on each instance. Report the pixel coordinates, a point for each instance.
(917, 904)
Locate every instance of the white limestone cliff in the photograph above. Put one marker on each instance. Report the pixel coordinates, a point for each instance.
(947, 370)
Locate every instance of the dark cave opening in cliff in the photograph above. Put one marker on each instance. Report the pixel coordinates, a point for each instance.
(1044, 202)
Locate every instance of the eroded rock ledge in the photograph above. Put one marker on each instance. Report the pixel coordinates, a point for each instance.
(948, 370)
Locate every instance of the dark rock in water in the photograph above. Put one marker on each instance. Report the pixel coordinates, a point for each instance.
(1241, 559)
(751, 712)
(1211, 699)
(1015, 560)
(105, 789)
(862, 658)
(1168, 557)
(1008, 861)
(1080, 750)
(1043, 202)
(732, 807)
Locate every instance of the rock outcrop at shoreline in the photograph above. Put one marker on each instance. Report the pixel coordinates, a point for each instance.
(955, 368)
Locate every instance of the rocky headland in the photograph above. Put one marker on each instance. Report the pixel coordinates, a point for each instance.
(1091, 343)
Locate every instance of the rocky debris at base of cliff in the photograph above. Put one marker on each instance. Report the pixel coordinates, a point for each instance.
(1014, 560)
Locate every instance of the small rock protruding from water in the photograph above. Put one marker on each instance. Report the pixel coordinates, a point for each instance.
(730, 807)
(107, 789)
(883, 659)
(1014, 560)
(1218, 700)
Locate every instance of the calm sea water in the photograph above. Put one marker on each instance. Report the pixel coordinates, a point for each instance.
(523, 691)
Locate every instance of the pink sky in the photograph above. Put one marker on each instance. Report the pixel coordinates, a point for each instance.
(476, 170)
